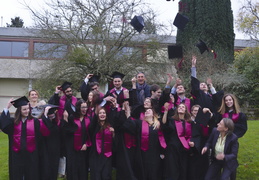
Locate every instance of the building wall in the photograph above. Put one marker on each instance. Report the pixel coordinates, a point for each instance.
(12, 88)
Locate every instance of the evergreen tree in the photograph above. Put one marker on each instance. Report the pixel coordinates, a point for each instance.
(16, 22)
(211, 21)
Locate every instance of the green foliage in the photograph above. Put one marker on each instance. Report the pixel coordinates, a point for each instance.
(16, 22)
(246, 64)
(211, 21)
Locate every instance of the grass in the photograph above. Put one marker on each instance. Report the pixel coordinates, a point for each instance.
(248, 155)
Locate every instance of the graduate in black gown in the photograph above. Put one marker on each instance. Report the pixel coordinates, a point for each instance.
(200, 92)
(50, 151)
(178, 134)
(125, 144)
(90, 84)
(231, 109)
(150, 145)
(102, 134)
(78, 142)
(118, 91)
(24, 133)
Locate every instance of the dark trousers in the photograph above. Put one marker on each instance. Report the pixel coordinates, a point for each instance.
(218, 170)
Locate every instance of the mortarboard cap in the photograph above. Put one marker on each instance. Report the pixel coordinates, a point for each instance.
(52, 109)
(20, 102)
(94, 78)
(202, 46)
(180, 21)
(65, 85)
(175, 51)
(138, 23)
(116, 74)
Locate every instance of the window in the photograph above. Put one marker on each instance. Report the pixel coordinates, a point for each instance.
(128, 51)
(49, 50)
(14, 49)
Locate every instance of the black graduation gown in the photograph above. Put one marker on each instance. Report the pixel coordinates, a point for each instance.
(240, 125)
(77, 162)
(50, 152)
(100, 165)
(125, 169)
(176, 156)
(147, 163)
(205, 100)
(22, 164)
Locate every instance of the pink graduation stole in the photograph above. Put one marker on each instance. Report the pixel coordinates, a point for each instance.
(145, 137)
(184, 136)
(130, 140)
(234, 117)
(78, 134)
(30, 136)
(104, 136)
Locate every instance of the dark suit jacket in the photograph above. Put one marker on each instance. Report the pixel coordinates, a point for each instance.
(230, 149)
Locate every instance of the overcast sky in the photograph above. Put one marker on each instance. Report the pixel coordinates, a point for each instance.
(166, 9)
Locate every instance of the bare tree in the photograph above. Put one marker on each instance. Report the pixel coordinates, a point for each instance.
(99, 36)
(248, 19)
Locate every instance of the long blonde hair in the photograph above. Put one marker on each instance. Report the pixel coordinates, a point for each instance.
(223, 108)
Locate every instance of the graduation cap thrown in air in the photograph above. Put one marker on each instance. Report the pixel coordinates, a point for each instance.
(175, 51)
(22, 101)
(65, 85)
(94, 78)
(116, 74)
(180, 21)
(138, 23)
(202, 46)
(52, 109)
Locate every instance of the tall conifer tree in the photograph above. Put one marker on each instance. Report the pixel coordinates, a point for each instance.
(211, 21)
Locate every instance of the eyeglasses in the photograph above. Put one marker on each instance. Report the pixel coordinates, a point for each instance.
(84, 107)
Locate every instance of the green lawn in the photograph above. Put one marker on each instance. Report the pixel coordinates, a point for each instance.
(248, 155)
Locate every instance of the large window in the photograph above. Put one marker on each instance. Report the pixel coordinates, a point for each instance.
(49, 50)
(14, 49)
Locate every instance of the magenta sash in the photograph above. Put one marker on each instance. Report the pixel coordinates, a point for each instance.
(234, 117)
(62, 102)
(161, 139)
(78, 134)
(145, 137)
(107, 142)
(130, 140)
(184, 136)
(30, 136)
(205, 130)
(43, 129)
(171, 105)
(187, 102)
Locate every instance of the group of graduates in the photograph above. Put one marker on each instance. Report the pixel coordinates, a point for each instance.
(145, 133)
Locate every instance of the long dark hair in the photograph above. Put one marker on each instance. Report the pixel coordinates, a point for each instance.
(18, 115)
(78, 108)
(187, 115)
(96, 99)
(106, 122)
